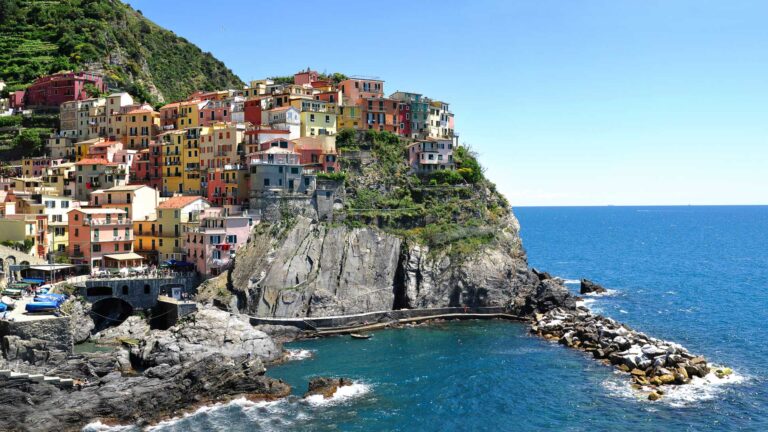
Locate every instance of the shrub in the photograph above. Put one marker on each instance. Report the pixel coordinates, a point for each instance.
(446, 177)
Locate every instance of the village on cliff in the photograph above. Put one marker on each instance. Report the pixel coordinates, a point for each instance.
(125, 188)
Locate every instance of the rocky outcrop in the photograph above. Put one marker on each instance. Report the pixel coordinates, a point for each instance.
(650, 362)
(589, 287)
(313, 269)
(133, 328)
(209, 356)
(159, 392)
(40, 343)
(207, 332)
(80, 322)
(326, 387)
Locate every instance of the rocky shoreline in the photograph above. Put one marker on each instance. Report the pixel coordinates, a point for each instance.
(214, 356)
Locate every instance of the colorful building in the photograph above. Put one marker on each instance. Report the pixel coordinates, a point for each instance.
(171, 215)
(93, 174)
(101, 238)
(432, 154)
(318, 153)
(53, 90)
(213, 236)
(138, 201)
(141, 127)
(354, 89)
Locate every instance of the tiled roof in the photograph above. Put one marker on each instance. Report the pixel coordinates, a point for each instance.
(96, 161)
(179, 201)
(267, 131)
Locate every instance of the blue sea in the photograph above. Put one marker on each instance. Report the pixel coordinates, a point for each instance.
(695, 275)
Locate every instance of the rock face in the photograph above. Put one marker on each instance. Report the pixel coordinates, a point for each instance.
(209, 331)
(589, 287)
(326, 387)
(314, 269)
(40, 343)
(80, 322)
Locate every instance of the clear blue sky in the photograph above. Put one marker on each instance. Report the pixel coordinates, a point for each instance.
(567, 102)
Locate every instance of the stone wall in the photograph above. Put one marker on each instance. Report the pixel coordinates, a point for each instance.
(141, 293)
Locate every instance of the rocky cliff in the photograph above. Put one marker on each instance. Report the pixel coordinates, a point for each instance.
(315, 269)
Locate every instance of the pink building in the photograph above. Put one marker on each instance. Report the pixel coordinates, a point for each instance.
(354, 89)
(429, 155)
(101, 237)
(216, 111)
(53, 90)
(254, 138)
(215, 237)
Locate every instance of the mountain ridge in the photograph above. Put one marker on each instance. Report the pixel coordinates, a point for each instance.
(108, 36)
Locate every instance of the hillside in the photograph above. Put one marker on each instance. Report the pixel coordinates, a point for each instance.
(41, 37)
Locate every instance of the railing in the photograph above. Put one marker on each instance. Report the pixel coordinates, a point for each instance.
(94, 222)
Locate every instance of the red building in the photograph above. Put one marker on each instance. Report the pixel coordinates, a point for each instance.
(305, 77)
(155, 166)
(53, 90)
(403, 119)
(252, 110)
(317, 153)
(16, 100)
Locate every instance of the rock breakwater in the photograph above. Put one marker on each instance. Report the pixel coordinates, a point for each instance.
(650, 363)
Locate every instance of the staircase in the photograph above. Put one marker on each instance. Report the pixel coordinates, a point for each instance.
(57, 381)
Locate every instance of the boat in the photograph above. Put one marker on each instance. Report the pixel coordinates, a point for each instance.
(42, 306)
(9, 302)
(3, 307)
(360, 335)
(47, 299)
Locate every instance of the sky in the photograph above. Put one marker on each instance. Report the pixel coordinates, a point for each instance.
(578, 102)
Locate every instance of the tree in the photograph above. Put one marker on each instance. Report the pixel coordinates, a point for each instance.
(29, 139)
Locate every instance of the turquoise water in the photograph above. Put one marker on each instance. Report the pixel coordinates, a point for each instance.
(697, 275)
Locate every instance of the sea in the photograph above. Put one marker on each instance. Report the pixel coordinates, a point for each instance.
(694, 275)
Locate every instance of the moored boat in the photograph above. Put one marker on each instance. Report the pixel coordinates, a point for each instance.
(360, 335)
(42, 306)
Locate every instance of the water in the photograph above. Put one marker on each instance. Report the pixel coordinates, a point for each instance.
(696, 275)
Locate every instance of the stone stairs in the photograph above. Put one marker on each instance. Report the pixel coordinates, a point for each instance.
(57, 381)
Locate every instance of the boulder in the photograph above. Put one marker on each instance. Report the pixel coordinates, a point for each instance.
(326, 387)
(589, 287)
(654, 396)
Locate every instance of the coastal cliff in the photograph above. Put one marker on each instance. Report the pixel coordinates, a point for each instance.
(443, 239)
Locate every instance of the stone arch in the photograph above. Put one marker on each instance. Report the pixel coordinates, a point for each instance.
(110, 312)
(10, 260)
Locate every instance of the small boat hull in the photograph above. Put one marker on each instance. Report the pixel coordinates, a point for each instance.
(360, 336)
(42, 306)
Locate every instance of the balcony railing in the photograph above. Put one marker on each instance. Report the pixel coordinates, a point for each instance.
(95, 222)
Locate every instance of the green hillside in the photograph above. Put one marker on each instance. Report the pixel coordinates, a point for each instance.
(39, 37)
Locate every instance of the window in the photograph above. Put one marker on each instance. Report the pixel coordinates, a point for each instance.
(295, 170)
(266, 182)
(96, 248)
(125, 290)
(147, 289)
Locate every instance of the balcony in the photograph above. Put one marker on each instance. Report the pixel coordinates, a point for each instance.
(98, 239)
(103, 222)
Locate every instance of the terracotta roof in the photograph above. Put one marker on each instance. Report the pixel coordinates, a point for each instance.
(327, 146)
(96, 161)
(171, 105)
(141, 111)
(179, 201)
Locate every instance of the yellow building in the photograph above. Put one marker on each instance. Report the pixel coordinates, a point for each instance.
(190, 162)
(171, 144)
(58, 178)
(142, 125)
(189, 114)
(146, 239)
(317, 117)
(26, 229)
(171, 215)
(181, 161)
(348, 117)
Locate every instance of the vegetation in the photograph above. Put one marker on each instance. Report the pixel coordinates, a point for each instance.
(135, 54)
(22, 246)
(454, 211)
(335, 176)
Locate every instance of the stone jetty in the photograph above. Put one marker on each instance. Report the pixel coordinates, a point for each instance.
(649, 362)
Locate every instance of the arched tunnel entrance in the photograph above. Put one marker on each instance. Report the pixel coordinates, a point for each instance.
(110, 312)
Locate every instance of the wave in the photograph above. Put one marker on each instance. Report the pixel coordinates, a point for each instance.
(342, 394)
(568, 281)
(98, 426)
(608, 293)
(676, 396)
(298, 354)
